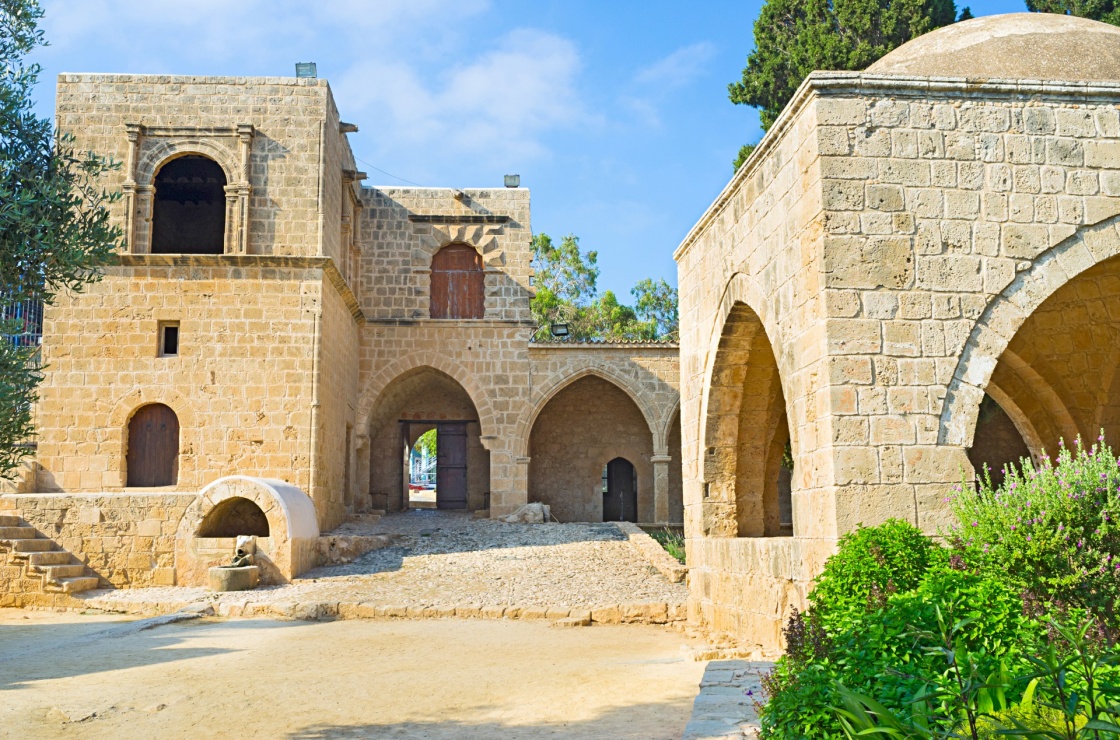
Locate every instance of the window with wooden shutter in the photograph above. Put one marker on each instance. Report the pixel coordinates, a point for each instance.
(458, 284)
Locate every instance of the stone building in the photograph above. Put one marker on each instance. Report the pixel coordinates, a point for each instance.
(270, 318)
(915, 273)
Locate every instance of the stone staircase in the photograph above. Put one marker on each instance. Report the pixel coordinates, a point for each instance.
(41, 560)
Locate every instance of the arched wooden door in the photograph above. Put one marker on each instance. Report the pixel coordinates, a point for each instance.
(153, 447)
(620, 492)
(458, 284)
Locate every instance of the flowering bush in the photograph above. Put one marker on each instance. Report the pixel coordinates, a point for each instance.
(1052, 529)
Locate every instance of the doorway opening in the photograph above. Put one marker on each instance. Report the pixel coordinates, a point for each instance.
(436, 470)
(620, 491)
(422, 471)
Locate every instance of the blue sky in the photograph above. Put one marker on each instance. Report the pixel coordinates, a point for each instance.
(615, 114)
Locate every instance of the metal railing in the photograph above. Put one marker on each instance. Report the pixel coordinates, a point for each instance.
(22, 322)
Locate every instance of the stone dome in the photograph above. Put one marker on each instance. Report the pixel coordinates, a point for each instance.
(1037, 46)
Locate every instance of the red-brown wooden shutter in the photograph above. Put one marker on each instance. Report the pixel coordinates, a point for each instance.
(458, 284)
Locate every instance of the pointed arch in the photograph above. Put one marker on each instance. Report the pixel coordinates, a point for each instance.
(380, 380)
(582, 369)
(1006, 313)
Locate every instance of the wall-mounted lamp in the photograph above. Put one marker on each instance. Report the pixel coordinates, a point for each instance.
(559, 330)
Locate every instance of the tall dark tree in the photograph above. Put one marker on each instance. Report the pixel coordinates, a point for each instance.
(1098, 10)
(54, 225)
(796, 37)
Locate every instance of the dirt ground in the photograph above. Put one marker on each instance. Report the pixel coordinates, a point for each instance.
(70, 675)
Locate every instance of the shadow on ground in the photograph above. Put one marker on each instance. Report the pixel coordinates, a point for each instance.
(636, 721)
(49, 651)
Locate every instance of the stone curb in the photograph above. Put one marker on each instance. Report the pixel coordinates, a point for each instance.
(652, 551)
(637, 613)
(723, 708)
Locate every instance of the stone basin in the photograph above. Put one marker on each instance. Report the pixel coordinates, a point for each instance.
(229, 578)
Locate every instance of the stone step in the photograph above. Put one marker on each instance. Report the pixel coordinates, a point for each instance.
(72, 585)
(18, 533)
(9, 521)
(55, 557)
(56, 573)
(33, 545)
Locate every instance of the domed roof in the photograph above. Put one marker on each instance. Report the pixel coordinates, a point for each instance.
(1037, 46)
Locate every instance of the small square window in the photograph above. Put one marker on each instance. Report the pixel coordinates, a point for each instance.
(169, 339)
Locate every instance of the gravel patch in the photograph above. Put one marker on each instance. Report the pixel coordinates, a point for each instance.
(446, 559)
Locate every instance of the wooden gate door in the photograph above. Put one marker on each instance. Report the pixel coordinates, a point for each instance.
(153, 447)
(451, 466)
(620, 502)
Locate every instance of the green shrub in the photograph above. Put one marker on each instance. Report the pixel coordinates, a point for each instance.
(886, 645)
(1053, 530)
(870, 564)
(673, 542)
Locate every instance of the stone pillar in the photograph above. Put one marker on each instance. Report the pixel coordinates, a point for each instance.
(661, 488)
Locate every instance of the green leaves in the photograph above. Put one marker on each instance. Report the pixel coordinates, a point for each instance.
(54, 224)
(567, 292)
(1098, 10)
(796, 37)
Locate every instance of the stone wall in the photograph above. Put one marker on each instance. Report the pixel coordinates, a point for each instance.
(240, 384)
(889, 239)
(126, 540)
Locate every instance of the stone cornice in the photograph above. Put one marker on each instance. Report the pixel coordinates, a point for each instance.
(821, 84)
(282, 262)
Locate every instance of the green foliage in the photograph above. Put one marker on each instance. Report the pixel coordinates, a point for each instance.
(1099, 10)
(673, 542)
(567, 292)
(1053, 530)
(870, 564)
(426, 444)
(745, 152)
(796, 37)
(54, 227)
(891, 649)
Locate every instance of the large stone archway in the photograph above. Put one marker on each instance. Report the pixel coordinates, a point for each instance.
(584, 425)
(417, 400)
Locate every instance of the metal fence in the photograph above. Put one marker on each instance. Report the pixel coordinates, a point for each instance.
(22, 323)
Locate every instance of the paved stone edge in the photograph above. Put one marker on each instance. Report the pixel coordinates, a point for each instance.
(635, 613)
(725, 707)
(652, 551)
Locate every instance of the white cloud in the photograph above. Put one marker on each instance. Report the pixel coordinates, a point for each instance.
(496, 106)
(677, 69)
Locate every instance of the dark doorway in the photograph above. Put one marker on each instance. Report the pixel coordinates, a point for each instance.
(451, 466)
(458, 284)
(153, 447)
(620, 491)
(189, 213)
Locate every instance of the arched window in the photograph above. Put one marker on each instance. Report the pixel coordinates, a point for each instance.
(153, 447)
(189, 213)
(458, 284)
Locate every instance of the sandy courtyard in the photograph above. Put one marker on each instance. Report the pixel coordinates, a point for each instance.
(68, 675)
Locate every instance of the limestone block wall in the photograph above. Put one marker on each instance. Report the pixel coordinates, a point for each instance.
(291, 121)
(241, 384)
(890, 237)
(127, 540)
(758, 247)
(402, 228)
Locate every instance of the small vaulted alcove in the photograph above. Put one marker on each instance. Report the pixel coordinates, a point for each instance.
(234, 517)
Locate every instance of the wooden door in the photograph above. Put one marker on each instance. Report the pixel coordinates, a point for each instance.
(451, 466)
(153, 447)
(620, 501)
(458, 284)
